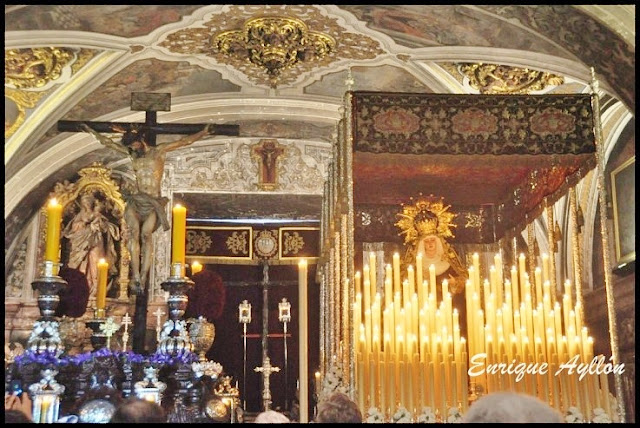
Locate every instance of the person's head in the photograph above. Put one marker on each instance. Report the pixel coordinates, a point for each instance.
(511, 407)
(338, 408)
(271, 417)
(137, 410)
(15, 416)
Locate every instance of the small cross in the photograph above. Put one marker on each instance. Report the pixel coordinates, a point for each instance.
(158, 315)
(108, 328)
(267, 369)
(126, 321)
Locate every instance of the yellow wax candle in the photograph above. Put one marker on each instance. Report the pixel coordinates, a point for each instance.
(465, 385)
(538, 284)
(196, 267)
(396, 273)
(303, 344)
(604, 385)
(431, 379)
(54, 218)
(515, 295)
(388, 285)
(44, 409)
(567, 291)
(101, 292)
(522, 270)
(419, 278)
(360, 383)
(545, 267)
(178, 237)
(373, 278)
(476, 269)
(411, 280)
(366, 287)
(432, 280)
(357, 281)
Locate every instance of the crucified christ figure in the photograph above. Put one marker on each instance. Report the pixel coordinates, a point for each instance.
(145, 209)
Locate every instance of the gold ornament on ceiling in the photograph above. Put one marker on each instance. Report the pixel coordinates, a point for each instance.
(34, 68)
(274, 44)
(503, 79)
(268, 45)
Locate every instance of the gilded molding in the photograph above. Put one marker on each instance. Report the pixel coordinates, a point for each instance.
(503, 79)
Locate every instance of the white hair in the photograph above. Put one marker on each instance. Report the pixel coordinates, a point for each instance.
(511, 407)
(271, 417)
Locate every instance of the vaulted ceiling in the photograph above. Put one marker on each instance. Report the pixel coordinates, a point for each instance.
(83, 62)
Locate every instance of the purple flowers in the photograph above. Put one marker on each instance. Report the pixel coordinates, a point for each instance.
(49, 358)
(183, 358)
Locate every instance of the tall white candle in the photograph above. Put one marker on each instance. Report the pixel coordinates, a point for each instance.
(302, 341)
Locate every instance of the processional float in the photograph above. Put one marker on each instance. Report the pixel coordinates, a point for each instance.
(496, 163)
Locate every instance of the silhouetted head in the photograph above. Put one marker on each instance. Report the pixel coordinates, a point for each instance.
(137, 410)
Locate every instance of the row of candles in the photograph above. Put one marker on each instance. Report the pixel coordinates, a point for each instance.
(505, 323)
(409, 351)
(52, 249)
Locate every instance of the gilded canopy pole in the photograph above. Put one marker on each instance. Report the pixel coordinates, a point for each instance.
(346, 302)
(602, 193)
(575, 244)
(348, 177)
(553, 249)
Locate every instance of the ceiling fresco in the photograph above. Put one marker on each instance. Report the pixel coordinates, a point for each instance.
(115, 50)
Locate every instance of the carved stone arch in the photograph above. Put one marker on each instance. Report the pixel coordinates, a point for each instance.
(96, 179)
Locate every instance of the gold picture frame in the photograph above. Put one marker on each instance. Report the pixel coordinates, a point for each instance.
(623, 188)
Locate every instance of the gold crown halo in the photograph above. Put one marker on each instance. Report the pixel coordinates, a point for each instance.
(425, 216)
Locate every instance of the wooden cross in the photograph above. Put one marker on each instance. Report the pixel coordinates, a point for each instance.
(266, 369)
(150, 103)
(158, 315)
(108, 328)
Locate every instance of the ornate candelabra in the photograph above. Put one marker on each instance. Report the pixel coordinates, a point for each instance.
(174, 338)
(284, 316)
(45, 335)
(244, 316)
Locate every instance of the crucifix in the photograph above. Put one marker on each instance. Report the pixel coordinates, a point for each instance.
(266, 369)
(126, 322)
(145, 209)
(108, 328)
(267, 152)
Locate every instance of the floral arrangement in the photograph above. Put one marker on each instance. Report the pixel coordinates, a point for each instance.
(374, 416)
(574, 416)
(46, 358)
(184, 358)
(332, 381)
(401, 416)
(454, 416)
(427, 416)
(600, 416)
